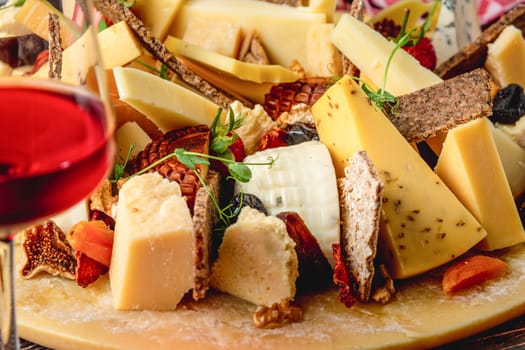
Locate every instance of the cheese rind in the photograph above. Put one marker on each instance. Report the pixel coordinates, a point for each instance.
(423, 223)
(257, 260)
(258, 73)
(505, 57)
(470, 166)
(301, 180)
(152, 261)
(169, 105)
(405, 74)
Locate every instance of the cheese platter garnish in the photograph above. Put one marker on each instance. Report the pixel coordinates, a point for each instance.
(238, 230)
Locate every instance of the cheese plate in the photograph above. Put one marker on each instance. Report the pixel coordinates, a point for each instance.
(57, 313)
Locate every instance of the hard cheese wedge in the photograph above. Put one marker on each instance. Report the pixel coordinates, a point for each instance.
(505, 57)
(369, 51)
(470, 166)
(157, 15)
(269, 20)
(423, 223)
(167, 104)
(258, 73)
(221, 37)
(301, 180)
(152, 261)
(512, 158)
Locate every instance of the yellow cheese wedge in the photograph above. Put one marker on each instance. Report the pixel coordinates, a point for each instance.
(323, 59)
(269, 20)
(470, 166)
(34, 15)
(369, 51)
(128, 135)
(423, 223)
(258, 73)
(221, 37)
(169, 105)
(152, 261)
(513, 160)
(257, 260)
(117, 44)
(327, 7)
(157, 15)
(505, 57)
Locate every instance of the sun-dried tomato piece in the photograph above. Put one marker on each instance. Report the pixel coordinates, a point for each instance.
(341, 278)
(88, 270)
(100, 215)
(276, 137)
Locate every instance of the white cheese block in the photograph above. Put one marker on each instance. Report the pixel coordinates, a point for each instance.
(128, 135)
(169, 105)
(270, 21)
(257, 260)
(152, 261)
(505, 57)
(369, 51)
(470, 166)
(301, 180)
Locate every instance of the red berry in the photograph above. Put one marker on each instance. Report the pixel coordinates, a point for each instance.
(424, 52)
(237, 148)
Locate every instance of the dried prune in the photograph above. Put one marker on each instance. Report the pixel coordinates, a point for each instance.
(508, 105)
(241, 200)
(299, 133)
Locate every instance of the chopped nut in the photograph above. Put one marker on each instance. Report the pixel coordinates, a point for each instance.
(383, 294)
(252, 50)
(277, 315)
(45, 249)
(299, 113)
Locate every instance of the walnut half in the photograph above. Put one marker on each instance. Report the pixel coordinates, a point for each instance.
(277, 315)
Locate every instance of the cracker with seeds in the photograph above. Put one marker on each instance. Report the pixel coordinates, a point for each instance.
(205, 217)
(439, 108)
(474, 55)
(55, 47)
(361, 194)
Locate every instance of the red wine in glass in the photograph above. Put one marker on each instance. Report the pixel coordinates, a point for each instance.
(55, 148)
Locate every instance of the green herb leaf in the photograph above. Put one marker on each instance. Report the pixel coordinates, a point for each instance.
(102, 25)
(222, 134)
(119, 169)
(19, 3)
(240, 172)
(128, 3)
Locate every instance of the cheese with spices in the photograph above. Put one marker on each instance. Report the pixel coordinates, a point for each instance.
(423, 224)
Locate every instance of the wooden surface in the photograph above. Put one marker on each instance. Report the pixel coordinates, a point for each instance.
(510, 335)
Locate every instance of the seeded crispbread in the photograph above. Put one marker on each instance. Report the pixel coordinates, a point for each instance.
(474, 55)
(439, 108)
(205, 217)
(55, 47)
(116, 11)
(361, 194)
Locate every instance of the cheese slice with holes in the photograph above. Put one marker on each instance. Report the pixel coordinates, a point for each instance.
(423, 224)
(470, 166)
(152, 261)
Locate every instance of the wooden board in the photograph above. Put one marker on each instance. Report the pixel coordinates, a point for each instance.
(58, 314)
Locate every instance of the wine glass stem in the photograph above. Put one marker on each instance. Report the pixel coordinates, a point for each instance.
(9, 335)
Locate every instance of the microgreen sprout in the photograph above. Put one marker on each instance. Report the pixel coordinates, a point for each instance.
(118, 170)
(162, 72)
(221, 134)
(18, 3)
(128, 3)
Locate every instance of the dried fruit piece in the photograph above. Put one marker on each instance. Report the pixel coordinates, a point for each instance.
(92, 238)
(508, 105)
(88, 270)
(315, 271)
(46, 249)
(276, 137)
(424, 52)
(472, 271)
(300, 132)
(341, 278)
(283, 96)
(194, 139)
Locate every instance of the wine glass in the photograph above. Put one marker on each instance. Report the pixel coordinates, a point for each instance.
(56, 130)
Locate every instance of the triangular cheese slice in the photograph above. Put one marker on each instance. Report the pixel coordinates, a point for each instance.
(424, 224)
(470, 166)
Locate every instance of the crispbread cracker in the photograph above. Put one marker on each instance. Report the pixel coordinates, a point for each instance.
(473, 55)
(55, 47)
(204, 219)
(439, 108)
(361, 194)
(116, 11)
